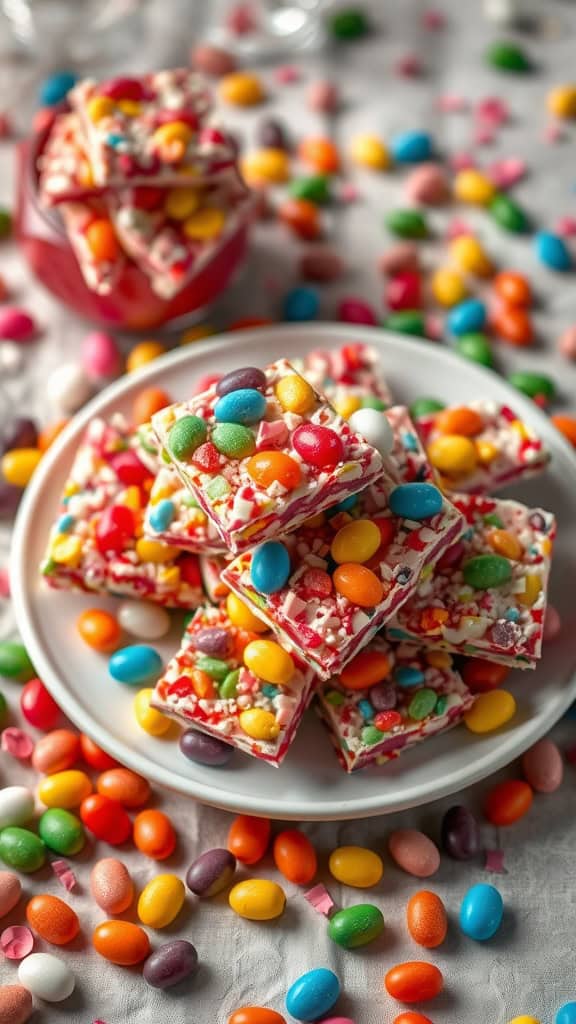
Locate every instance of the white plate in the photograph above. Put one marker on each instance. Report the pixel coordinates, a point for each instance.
(310, 784)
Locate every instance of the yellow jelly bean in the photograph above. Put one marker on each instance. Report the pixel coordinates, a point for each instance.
(66, 550)
(149, 719)
(181, 203)
(524, 1020)
(356, 542)
(346, 405)
(174, 131)
(19, 464)
(505, 543)
(471, 186)
(196, 334)
(142, 353)
(132, 108)
(486, 452)
(369, 151)
(161, 900)
(259, 724)
(453, 455)
(266, 166)
(241, 89)
(267, 660)
(65, 789)
(490, 711)
(154, 551)
(204, 225)
(99, 107)
(356, 866)
(470, 257)
(295, 394)
(448, 287)
(257, 899)
(241, 616)
(561, 101)
(439, 659)
(531, 592)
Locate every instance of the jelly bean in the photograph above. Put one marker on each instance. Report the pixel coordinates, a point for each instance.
(312, 994)
(471, 186)
(170, 964)
(524, 1020)
(448, 287)
(365, 670)
(453, 455)
(149, 719)
(321, 263)
(64, 789)
(507, 56)
(148, 402)
(256, 1015)
(467, 317)
(68, 388)
(301, 303)
(295, 857)
(15, 1004)
(348, 23)
(505, 543)
(415, 501)
(270, 567)
(248, 377)
(211, 873)
(3, 709)
(111, 885)
(414, 982)
(248, 838)
(154, 834)
(317, 445)
(314, 188)
(509, 214)
(185, 436)
(271, 134)
(566, 1014)
(356, 866)
(21, 849)
(106, 819)
(561, 102)
(241, 89)
(358, 584)
(534, 385)
(212, 60)
(135, 664)
(356, 311)
(125, 786)
(241, 616)
(37, 706)
(469, 255)
(121, 943)
(319, 153)
(513, 325)
(567, 426)
(18, 433)
(481, 912)
(543, 767)
(295, 394)
(356, 926)
(233, 440)
(404, 291)
(476, 348)
(490, 711)
(400, 257)
(203, 749)
(507, 802)
(10, 892)
(160, 901)
(412, 147)
(100, 356)
(486, 572)
(95, 756)
(46, 977)
(414, 852)
(460, 833)
(244, 406)
(302, 217)
(459, 420)
(375, 428)
(408, 1017)
(19, 464)
(99, 629)
(266, 166)
(257, 899)
(52, 919)
(428, 184)
(16, 806)
(269, 661)
(425, 407)
(144, 620)
(54, 89)
(552, 251)
(271, 467)
(407, 223)
(61, 832)
(369, 151)
(513, 288)
(356, 542)
(143, 353)
(16, 324)
(426, 919)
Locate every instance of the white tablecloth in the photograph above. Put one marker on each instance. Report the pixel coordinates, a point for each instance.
(528, 968)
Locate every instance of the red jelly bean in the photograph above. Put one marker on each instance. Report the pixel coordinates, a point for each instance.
(106, 819)
(190, 571)
(387, 720)
(414, 982)
(38, 707)
(295, 857)
(95, 756)
(404, 291)
(508, 802)
(317, 445)
(248, 838)
(123, 89)
(115, 526)
(480, 675)
(128, 468)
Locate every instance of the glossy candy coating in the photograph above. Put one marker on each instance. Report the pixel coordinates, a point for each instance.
(412, 147)
(448, 287)
(269, 661)
(121, 942)
(211, 873)
(356, 866)
(407, 223)
(466, 317)
(566, 1014)
(357, 541)
(142, 353)
(95, 756)
(99, 629)
(170, 964)
(318, 445)
(312, 994)
(65, 789)
(481, 676)
(38, 706)
(507, 802)
(106, 819)
(409, 1017)
(61, 831)
(356, 926)
(552, 251)
(416, 501)
(414, 982)
(208, 750)
(319, 153)
(358, 584)
(149, 719)
(135, 664)
(154, 834)
(46, 977)
(10, 891)
(18, 465)
(161, 900)
(270, 567)
(256, 1015)
(476, 348)
(147, 402)
(111, 885)
(257, 899)
(469, 256)
(248, 838)
(460, 833)
(414, 852)
(426, 919)
(241, 89)
(52, 919)
(513, 324)
(16, 806)
(100, 356)
(375, 428)
(295, 857)
(481, 912)
(543, 766)
(491, 711)
(121, 784)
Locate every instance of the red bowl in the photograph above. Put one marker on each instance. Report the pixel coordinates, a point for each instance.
(132, 305)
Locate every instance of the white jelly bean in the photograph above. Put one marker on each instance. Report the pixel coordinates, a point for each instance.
(46, 977)
(68, 388)
(147, 621)
(374, 426)
(16, 806)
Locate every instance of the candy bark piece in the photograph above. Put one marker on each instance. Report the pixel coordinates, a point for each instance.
(497, 450)
(108, 486)
(421, 696)
(324, 625)
(101, 271)
(151, 130)
(209, 686)
(65, 174)
(456, 609)
(258, 484)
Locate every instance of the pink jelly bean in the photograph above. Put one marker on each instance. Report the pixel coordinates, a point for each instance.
(428, 184)
(16, 324)
(399, 257)
(567, 343)
(552, 623)
(99, 356)
(356, 311)
(403, 291)
(323, 96)
(16, 942)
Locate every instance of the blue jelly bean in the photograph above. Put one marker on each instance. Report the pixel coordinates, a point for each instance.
(65, 523)
(566, 1014)
(301, 304)
(270, 567)
(416, 501)
(55, 88)
(135, 664)
(366, 710)
(408, 675)
(551, 250)
(162, 515)
(343, 506)
(244, 406)
(313, 994)
(467, 317)
(481, 912)
(412, 147)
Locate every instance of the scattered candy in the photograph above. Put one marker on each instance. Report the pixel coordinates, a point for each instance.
(95, 756)
(256, 1015)
(257, 899)
(248, 838)
(467, 317)
(494, 862)
(407, 223)
(426, 919)
(428, 184)
(319, 898)
(508, 214)
(65, 789)
(295, 857)
(160, 901)
(212, 60)
(54, 89)
(17, 743)
(57, 751)
(460, 833)
(16, 942)
(170, 964)
(15, 1004)
(68, 388)
(10, 892)
(18, 465)
(135, 665)
(312, 994)
(121, 942)
(567, 426)
(302, 217)
(356, 926)
(356, 866)
(321, 264)
(481, 912)
(61, 831)
(552, 251)
(507, 56)
(414, 852)
(209, 750)
(111, 885)
(369, 151)
(154, 834)
(211, 873)
(64, 874)
(125, 786)
(301, 304)
(491, 711)
(567, 343)
(16, 806)
(476, 348)
(100, 356)
(241, 89)
(106, 819)
(46, 977)
(508, 802)
(414, 982)
(52, 919)
(143, 353)
(323, 96)
(566, 1014)
(412, 147)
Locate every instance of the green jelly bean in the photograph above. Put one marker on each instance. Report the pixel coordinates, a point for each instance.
(487, 571)
(314, 187)
(508, 57)
(233, 440)
(441, 705)
(493, 520)
(422, 704)
(356, 926)
(476, 348)
(535, 385)
(61, 831)
(335, 698)
(213, 667)
(407, 223)
(372, 402)
(5, 222)
(229, 686)
(22, 849)
(350, 23)
(371, 735)
(409, 321)
(509, 215)
(15, 663)
(3, 708)
(185, 436)
(425, 407)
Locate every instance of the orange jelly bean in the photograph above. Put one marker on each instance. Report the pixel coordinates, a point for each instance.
(567, 426)
(409, 1017)
(365, 670)
(319, 153)
(508, 802)
(47, 436)
(513, 288)
(295, 857)
(52, 919)
(147, 402)
(57, 751)
(102, 241)
(95, 756)
(302, 217)
(267, 468)
(426, 919)
(513, 325)
(256, 1015)
(414, 982)
(358, 584)
(99, 629)
(506, 544)
(128, 788)
(248, 838)
(463, 421)
(481, 676)
(121, 942)
(154, 834)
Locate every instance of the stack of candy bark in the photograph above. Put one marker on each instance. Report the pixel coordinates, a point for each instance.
(339, 560)
(140, 171)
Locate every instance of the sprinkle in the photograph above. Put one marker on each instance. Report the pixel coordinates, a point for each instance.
(64, 874)
(348, 192)
(507, 172)
(320, 899)
(17, 743)
(4, 582)
(566, 227)
(495, 862)
(451, 103)
(456, 227)
(493, 109)
(433, 20)
(409, 66)
(287, 74)
(462, 161)
(16, 942)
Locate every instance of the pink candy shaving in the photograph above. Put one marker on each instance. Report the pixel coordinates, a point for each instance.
(462, 161)
(566, 227)
(457, 227)
(16, 942)
(451, 103)
(507, 172)
(17, 743)
(495, 862)
(4, 582)
(493, 109)
(320, 899)
(433, 20)
(348, 192)
(64, 874)
(409, 66)
(287, 74)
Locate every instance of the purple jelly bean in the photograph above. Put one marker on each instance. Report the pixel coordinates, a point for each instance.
(216, 642)
(19, 433)
(460, 833)
(170, 964)
(271, 134)
(383, 696)
(210, 873)
(246, 377)
(9, 499)
(204, 749)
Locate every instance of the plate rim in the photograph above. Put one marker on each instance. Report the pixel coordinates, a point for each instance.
(23, 598)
